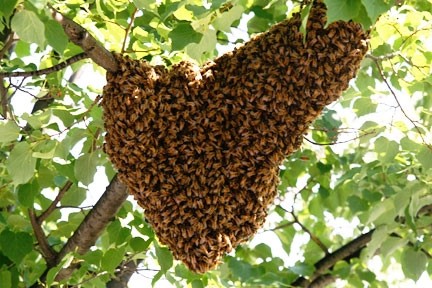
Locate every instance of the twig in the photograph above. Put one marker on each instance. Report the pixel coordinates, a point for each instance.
(383, 77)
(49, 70)
(128, 30)
(311, 235)
(81, 37)
(280, 226)
(337, 142)
(47, 252)
(53, 204)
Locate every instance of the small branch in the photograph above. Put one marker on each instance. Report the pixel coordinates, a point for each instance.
(128, 30)
(81, 37)
(382, 57)
(47, 252)
(383, 77)
(49, 70)
(280, 226)
(346, 252)
(53, 204)
(311, 235)
(337, 142)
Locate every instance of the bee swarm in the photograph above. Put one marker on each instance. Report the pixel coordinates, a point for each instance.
(199, 148)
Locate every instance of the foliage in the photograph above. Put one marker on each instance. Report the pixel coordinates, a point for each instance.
(365, 165)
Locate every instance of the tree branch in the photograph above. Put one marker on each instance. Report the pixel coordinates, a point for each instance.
(47, 252)
(128, 29)
(94, 223)
(49, 70)
(124, 273)
(81, 37)
(389, 87)
(346, 252)
(53, 204)
(315, 239)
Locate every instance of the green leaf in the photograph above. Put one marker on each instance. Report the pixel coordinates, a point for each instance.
(20, 164)
(7, 7)
(305, 16)
(27, 192)
(145, 4)
(413, 263)
(226, 19)
(29, 27)
(391, 244)
(74, 197)
(112, 258)
(138, 244)
(357, 204)
(207, 44)
(197, 283)
(9, 131)
(364, 106)
(375, 8)
(85, 168)
(182, 35)
(16, 245)
(342, 9)
(45, 149)
(424, 156)
(164, 258)
(6, 279)
(386, 149)
(302, 269)
(262, 251)
(55, 36)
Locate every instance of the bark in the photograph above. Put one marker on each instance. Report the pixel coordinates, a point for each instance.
(94, 223)
(346, 252)
(121, 278)
(81, 37)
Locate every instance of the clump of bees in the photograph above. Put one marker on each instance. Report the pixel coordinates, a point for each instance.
(200, 148)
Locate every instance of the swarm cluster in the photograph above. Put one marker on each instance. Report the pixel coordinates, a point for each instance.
(199, 148)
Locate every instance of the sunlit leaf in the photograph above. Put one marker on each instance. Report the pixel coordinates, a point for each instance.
(21, 164)
(164, 257)
(85, 168)
(9, 131)
(29, 27)
(182, 35)
(413, 263)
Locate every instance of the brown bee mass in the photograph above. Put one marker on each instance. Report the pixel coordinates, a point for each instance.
(199, 148)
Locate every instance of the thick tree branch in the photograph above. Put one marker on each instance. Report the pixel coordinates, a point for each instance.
(94, 223)
(81, 37)
(124, 273)
(90, 229)
(49, 70)
(346, 252)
